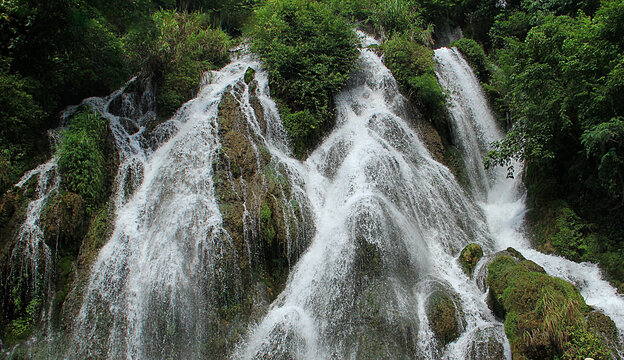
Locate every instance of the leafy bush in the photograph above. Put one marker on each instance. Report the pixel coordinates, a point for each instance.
(474, 54)
(177, 47)
(310, 52)
(413, 67)
(81, 158)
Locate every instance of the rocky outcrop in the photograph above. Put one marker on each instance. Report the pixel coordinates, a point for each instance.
(469, 257)
(545, 317)
(261, 217)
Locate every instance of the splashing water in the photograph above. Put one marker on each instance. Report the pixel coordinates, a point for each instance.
(388, 233)
(503, 199)
(152, 286)
(387, 223)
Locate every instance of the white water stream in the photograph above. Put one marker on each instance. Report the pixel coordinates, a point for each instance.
(375, 189)
(504, 203)
(389, 224)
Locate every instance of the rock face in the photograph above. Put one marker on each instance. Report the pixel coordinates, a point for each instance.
(469, 257)
(444, 317)
(261, 217)
(545, 317)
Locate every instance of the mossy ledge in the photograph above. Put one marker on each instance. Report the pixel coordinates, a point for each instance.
(545, 317)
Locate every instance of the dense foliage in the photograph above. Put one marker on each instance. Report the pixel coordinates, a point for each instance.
(554, 71)
(412, 65)
(310, 52)
(558, 77)
(177, 47)
(81, 157)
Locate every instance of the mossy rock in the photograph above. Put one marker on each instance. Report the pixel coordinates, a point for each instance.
(544, 315)
(63, 222)
(487, 344)
(603, 325)
(443, 315)
(470, 256)
(250, 73)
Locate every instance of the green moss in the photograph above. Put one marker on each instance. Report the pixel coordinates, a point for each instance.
(544, 315)
(100, 230)
(63, 222)
(250, 73)
(443, 317)
(457, 165)
(64, 276)
(266, 223)
(584, 344)
(470, 256)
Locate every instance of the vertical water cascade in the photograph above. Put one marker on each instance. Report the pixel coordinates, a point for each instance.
(368, 231)
(390, 223)
(31, 264)
(155, 287)
(503, 199)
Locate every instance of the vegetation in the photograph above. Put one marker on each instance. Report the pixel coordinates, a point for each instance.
(554, 71)
(474, 54)
(545, 317)
(469, 257)
(556, 76)
(412, 65)
(177, 47)
(443, 315)
(81, 157)
(310, 52)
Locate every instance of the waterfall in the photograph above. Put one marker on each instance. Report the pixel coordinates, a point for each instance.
(502, 199)
(371, 226)
(31, 263)
(390, 223)
(152, 288)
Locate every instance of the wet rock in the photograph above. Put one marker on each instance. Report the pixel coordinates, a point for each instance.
(443, 315)
(545, 317)
(250, 73)
(469, 257)
(63, 222)
(487, 344)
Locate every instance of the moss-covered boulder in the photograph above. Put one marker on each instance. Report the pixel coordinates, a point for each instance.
(63, 221)
(469, 257)
(444, 317)
(545, 317)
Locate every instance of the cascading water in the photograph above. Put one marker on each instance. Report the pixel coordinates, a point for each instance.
(31, 265)
(382, 222)
(152, 289)
(390, 222)
(503, 199)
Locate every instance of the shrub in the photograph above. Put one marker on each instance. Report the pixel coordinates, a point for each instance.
(413, 67)
(474, 54)
(177, 47)
(81, 158)
(310, 52)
